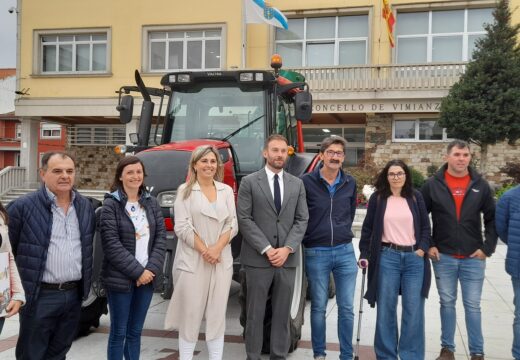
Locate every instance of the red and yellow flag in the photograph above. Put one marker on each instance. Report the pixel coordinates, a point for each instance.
(388, 15)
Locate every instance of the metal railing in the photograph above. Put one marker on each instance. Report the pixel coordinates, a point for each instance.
(383, 77)
(11, 177)
(96, 135)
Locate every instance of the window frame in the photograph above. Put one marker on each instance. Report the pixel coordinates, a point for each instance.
(430, 35)
(146, 48)
(18, 131)
(336, 41)
(44, 126)
(418, 119)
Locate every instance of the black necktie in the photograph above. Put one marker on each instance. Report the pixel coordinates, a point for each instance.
(277, 196)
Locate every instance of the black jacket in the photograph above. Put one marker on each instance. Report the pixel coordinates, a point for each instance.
(372, 234)
(120, 267)
(30, 228)
(461, 237)
(330, 217)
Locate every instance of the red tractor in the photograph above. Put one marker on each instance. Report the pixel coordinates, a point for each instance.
(235, 111)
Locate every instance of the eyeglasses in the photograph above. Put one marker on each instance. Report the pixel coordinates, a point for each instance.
(332, 153)
(398, 175)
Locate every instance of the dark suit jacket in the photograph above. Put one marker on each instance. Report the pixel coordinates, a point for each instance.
(261, 226)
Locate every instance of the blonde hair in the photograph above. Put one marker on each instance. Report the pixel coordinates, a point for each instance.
(196, 155)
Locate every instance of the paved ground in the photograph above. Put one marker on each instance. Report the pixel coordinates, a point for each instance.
(497, 314)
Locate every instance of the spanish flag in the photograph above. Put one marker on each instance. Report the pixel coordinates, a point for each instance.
(388, 15)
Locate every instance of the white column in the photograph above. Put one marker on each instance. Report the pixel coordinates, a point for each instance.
(29, 156)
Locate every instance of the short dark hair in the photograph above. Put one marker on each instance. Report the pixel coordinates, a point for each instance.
(274, 137)
(124, 162)
(47, 156)
(459, 144)
(332, 140)
(383, 186)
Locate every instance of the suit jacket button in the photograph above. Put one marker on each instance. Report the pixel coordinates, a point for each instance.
(277, 220)
(275, 236)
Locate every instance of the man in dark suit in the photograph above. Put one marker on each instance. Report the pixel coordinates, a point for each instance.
(272, 216)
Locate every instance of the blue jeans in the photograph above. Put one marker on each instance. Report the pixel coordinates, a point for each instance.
(319, 263)
(470, 272)
(127, 314)
(403, 271)
(516, 322)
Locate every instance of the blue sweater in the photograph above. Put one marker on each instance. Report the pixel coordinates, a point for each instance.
(330, 216)
(507, 222)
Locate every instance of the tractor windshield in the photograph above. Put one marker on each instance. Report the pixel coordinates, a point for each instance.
(223, 113)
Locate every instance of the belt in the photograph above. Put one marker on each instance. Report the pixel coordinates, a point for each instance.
(69, 285)
(403, 248)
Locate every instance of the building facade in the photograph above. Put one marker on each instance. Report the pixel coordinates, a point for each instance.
(384, 100)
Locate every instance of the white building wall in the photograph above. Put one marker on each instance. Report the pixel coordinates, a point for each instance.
(7, 95)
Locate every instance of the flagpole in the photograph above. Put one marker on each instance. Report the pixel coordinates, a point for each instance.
(244, 35)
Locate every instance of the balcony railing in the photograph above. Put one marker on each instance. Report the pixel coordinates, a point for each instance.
(96, 135)
(436, 76)
(11, 177)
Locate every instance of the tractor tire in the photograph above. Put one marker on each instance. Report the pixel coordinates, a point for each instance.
(167, 275)
(90, 316)
(297, 308)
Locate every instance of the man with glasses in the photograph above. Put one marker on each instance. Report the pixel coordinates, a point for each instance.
(331, 200)
(456, 197)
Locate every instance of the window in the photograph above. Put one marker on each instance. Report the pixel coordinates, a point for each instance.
(73, 53)
(324, 41)
(96, 135)
(440, 36)
(411, 130)
(18, 131)
(16, 159)
(187, 50)
(355, 136)
(50, 131)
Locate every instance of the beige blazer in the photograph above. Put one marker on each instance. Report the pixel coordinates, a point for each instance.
(17, 291)
(197, 215)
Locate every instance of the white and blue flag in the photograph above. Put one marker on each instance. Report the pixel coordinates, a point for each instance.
(259, 12)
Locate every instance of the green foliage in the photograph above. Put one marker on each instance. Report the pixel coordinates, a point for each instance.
(363, 176)
(417, 178)
(503, 189)
(513, 171)
(431, 170)
(484, 106)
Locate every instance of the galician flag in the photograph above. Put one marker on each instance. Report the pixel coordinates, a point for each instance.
(259, 12)
(388, 15)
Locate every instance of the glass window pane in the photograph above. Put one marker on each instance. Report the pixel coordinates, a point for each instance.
(82, 37)
(212, 33)
(429, 130)
(99, 57)
(290, 53)
(65, 38)
(192, 34)
(320, 54)
(175, 55)
(65, 58)
(295, 31)
(176, 34)
(314, 136)
(472, 39)
(321, 28)
(447, 21)
(49, 38)
(447, 48)
(212, 54)
(352, 52)
(158, 51)
(157, 35)
(83, 57)
(49, 58)
(478, 17)
(194, 55)
(354, 135)
(411, 23)
(411, 50)
(404, 129)
(99, 37)
(353, 26)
